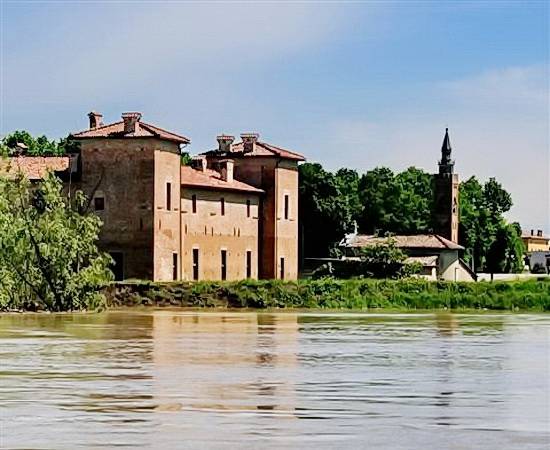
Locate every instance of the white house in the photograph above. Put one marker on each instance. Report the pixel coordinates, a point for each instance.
(440, 257)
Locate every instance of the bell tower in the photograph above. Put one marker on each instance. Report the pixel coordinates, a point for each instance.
(446, 194)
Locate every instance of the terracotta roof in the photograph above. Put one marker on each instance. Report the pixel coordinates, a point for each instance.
(210, 179)
(143, 129)
(421, 241)
(260, 149)
(36, 167)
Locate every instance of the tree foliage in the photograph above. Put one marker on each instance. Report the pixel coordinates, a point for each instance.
(329, 205)
(380, 260)
(23, 142)
(401, 203)
(491, 243)
(380, 201)
(48, 254)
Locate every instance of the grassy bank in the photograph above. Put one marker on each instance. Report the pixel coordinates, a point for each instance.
(531, 295)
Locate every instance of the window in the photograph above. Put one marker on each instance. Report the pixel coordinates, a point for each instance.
(222, 204)
(282, 275)
(248, 208)
(174, 266)
(168, 196)
(224, 264)
(195, 264)
(194, 203)
(286, 206)
(117, 266)
(248, 264)
(99, 203)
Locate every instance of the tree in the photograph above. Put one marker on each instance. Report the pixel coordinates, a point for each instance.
(401, 203)
(491, 243)
(23, 142)
(328, 206)
(380, 260)
(48, 254)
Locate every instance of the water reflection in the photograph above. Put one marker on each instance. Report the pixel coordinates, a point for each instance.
(172, 379)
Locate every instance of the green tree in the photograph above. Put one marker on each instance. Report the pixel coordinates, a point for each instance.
(491, 243)
(329, 206)
(380, 260)
(401, 203)
(23, 141)
(48, 253)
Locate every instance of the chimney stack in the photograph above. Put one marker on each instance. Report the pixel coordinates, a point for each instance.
(249, 141)
(532, 232)
(224, 142)
(96, 120)
(131, 121)
(227, 170)
(539, 233)
(199, 163)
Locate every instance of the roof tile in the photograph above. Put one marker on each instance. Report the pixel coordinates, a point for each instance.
(144, 129)
(36, 167)
(210, 179)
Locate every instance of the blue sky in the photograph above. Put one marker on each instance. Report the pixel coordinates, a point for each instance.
(356, 84)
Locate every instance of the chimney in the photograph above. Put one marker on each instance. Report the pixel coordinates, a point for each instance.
(224, 142)
(199, 163)
(532, 232)
(96, 120)
(539, 233)
(131, 121)
(227, 170)
(249, 141)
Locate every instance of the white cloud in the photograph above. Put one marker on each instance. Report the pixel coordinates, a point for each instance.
(527, 86)
(128, 49)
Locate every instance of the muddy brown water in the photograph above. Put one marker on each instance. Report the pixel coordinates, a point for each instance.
(224, 380)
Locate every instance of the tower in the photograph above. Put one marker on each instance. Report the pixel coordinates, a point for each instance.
(446, 194)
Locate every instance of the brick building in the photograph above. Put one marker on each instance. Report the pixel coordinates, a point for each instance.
(232, 214)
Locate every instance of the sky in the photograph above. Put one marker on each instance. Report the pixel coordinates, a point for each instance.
(356, 84)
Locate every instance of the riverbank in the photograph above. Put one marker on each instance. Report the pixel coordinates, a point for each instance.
(530, 295)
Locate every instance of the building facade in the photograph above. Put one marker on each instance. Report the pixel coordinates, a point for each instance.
(232, 214)
(273, 170)
(438, 256)
(535, 241)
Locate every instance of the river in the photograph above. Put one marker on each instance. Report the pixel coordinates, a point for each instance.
(176, 379)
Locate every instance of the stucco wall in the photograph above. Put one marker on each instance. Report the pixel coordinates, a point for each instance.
(279, 236)
(167, 222)
(210, 232)
(287, 228)
(451, 269)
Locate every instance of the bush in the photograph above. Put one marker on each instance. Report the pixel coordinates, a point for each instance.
(330, 293)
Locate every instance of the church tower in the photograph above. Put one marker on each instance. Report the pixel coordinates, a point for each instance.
(446, 194)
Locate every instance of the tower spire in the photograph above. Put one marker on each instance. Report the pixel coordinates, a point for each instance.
(446, 165)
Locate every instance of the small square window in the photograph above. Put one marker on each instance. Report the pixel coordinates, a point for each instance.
(99, 203)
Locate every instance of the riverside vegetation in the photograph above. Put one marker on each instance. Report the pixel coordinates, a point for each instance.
(405, 294)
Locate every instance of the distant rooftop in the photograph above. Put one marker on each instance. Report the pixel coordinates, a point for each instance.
(35, 167)
(251, 146)
(131, 126)
(211, 179)
(418, 241)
